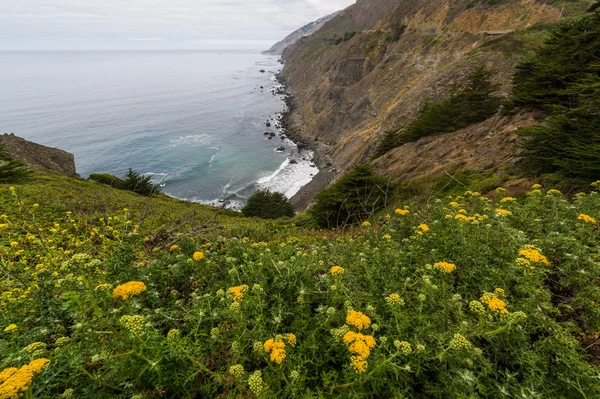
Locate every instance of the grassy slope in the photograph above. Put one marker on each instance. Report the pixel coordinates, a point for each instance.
(59, 270)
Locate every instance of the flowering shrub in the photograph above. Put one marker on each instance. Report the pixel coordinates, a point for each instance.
(96, 306)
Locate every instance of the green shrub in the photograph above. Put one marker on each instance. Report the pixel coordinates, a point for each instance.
(563, 81)
(355, 197)
(268, 205)
(108, 179)
(467, 105)
(11, 170)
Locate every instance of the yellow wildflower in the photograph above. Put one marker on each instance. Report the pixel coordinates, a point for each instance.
(454, 204)
(445, 267)
(132, 288)
(387, 237)
(536, 186)
(530, 253)
(11, 328)
(503, 212)
(174, 247)
(198, 256)
(401, 212)
(462, 211)
(358, 320)
(494, 303)
(276, 349)
(291, 340)
(460, 217)
(16, 381)
(423, 227)
(337, 271)
(238, 292)
(554, 191)
(359, 346)
(586, 218)
(366, 224)
(507, 199)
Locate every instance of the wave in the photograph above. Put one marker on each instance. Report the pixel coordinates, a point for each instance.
(194, 138)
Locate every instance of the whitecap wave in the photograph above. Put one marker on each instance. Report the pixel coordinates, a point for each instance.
(193, 138)
(291, 177)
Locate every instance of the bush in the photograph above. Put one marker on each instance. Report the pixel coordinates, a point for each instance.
(467, 105)
(354, 198)
(108, 179)
(11, 170)
(268, 205)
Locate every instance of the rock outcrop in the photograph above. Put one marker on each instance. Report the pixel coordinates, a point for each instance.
(38, 155)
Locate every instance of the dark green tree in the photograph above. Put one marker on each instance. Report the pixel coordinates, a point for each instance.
(563, 81)
(138, 183)
(354, 198)
(268, 205)
(11, 170)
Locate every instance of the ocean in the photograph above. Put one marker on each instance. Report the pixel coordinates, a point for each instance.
(193, 120)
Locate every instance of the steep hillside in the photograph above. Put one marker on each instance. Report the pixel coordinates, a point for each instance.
(401, 55)
(305, 31)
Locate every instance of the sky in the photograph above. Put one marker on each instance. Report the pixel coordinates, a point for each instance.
(154, 24)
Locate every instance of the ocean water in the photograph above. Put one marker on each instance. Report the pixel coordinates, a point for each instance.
(194, 120)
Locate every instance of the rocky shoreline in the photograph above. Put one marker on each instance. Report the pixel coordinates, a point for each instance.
(292, 129)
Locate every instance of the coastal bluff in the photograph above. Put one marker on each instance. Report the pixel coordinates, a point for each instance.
(38, 155)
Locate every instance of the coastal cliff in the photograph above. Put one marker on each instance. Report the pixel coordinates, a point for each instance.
(39, 156)
(397, 56)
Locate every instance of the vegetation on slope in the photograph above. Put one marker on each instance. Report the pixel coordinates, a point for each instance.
(268, 205)
(468, 297)
(563, 81)
(465, 106)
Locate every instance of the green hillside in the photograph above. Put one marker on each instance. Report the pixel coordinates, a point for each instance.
(466, 296)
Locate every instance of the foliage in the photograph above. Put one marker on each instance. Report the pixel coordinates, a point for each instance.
(352, 199)
(565, 74)
(138, 183)
(108, 179)
(132, 181)
(594, 7)
(457, 300)
(469, 104)
(11, 170)
(268, 205)
(563, 80)
(397, 31)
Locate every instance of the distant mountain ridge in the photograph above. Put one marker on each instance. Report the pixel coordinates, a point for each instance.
(293, 37)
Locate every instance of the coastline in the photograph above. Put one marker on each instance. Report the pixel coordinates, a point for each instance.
(291, 126)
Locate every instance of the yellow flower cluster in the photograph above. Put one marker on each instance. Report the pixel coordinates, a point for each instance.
(132, 288)
(360, 347)
(445, 267)
(366, 224)
(11, 328)
(198, 256)
(238, 292)
(174, 247)
(387, 237)
(276, 350)
(495, 304)
(530, 253)
(423, 227)
(15, 381)
(503, 212)
(291, 338)
(337, 271)
(401, 212)
(586, 218)
(507, 199)
(358, 320)
(394, 299)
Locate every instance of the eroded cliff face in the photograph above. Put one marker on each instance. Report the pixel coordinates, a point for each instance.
(347, 95)
(38, 155)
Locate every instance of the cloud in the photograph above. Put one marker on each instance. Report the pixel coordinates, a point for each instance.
(121, 23)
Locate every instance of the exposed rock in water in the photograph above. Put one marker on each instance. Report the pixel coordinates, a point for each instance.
(38, 155)
(262, 71)
(268, 124)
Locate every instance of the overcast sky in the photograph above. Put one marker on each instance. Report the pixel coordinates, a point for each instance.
(152, 24)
